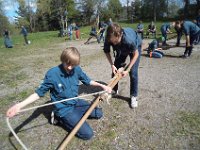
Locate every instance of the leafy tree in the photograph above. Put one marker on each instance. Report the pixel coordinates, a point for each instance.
(25, 15)
(172, 10)
(114, 9)
(4, 23)
(153, 9)
(87, 8)
(51, 13)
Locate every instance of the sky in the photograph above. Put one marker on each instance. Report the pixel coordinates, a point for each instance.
(11, 6)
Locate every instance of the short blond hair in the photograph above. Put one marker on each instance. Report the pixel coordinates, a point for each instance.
(70, 56)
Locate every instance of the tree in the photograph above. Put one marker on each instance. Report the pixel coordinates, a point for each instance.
(4, 23)
(115, 9)
(173, 9)
(25, 14)
(150, 9)
(87, 8)
(127, 9)
(51, 14)
(43, 15)
(198, 6)
(187, 3)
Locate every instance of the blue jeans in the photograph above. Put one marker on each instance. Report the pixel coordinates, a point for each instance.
(157, 54)
(70, 120)
(133, 72)
(102, 36)
(179, 35)
(164, 34)
(195, 40)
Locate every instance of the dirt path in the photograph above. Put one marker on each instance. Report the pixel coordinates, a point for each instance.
(168, 116)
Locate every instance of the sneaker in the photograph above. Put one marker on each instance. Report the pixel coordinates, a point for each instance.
(134, 102)
(184, 56)
(115, 93)
(54, 121)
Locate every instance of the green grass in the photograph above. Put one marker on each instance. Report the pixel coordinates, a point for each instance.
(186, 127)
(10, 62)
(15, 97)
(188, 124)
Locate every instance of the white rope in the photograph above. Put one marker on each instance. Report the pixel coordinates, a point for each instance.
(15, 135)
(82, 96)
(35, 107)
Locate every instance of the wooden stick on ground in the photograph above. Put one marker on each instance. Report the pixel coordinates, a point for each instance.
(112, 83)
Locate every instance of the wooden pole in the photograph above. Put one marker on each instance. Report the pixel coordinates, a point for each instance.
(112, 83)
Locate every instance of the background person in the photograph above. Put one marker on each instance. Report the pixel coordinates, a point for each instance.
(153, 51)
(151, 29)
(25, 34)
(192, 34)
(165, 29)
(7, 39)
(140, 29)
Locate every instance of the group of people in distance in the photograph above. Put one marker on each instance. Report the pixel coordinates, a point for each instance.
(73, 31)
(62, 80)
(189, 28)
(150, 30)
(7, 39)
(99, 33)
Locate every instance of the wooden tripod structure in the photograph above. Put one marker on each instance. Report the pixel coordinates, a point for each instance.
(112, 83)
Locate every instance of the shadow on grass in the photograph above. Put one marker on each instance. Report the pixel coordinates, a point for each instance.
(123, 98)
(45, 111)
(165, 55)
(172, 56)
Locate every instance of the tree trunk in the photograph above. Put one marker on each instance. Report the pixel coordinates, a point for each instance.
(186, 12)
(127, 10)
(154, 10)
(198, 7)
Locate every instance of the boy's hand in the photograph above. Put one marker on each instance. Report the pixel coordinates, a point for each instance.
(124, 73)
(107, 89)
(13, 111)
(114, 69)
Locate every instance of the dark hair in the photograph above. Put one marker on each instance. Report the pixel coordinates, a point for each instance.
(113, 29)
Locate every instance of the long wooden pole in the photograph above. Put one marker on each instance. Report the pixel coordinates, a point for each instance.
(112, 83)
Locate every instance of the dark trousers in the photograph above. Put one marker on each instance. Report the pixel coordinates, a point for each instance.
(193, 40)
(91, 36)
(152, 32)
(25, 39)
(164, 34)
(133, 72)
(179, 35)
(70, 120)
(142, 34)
